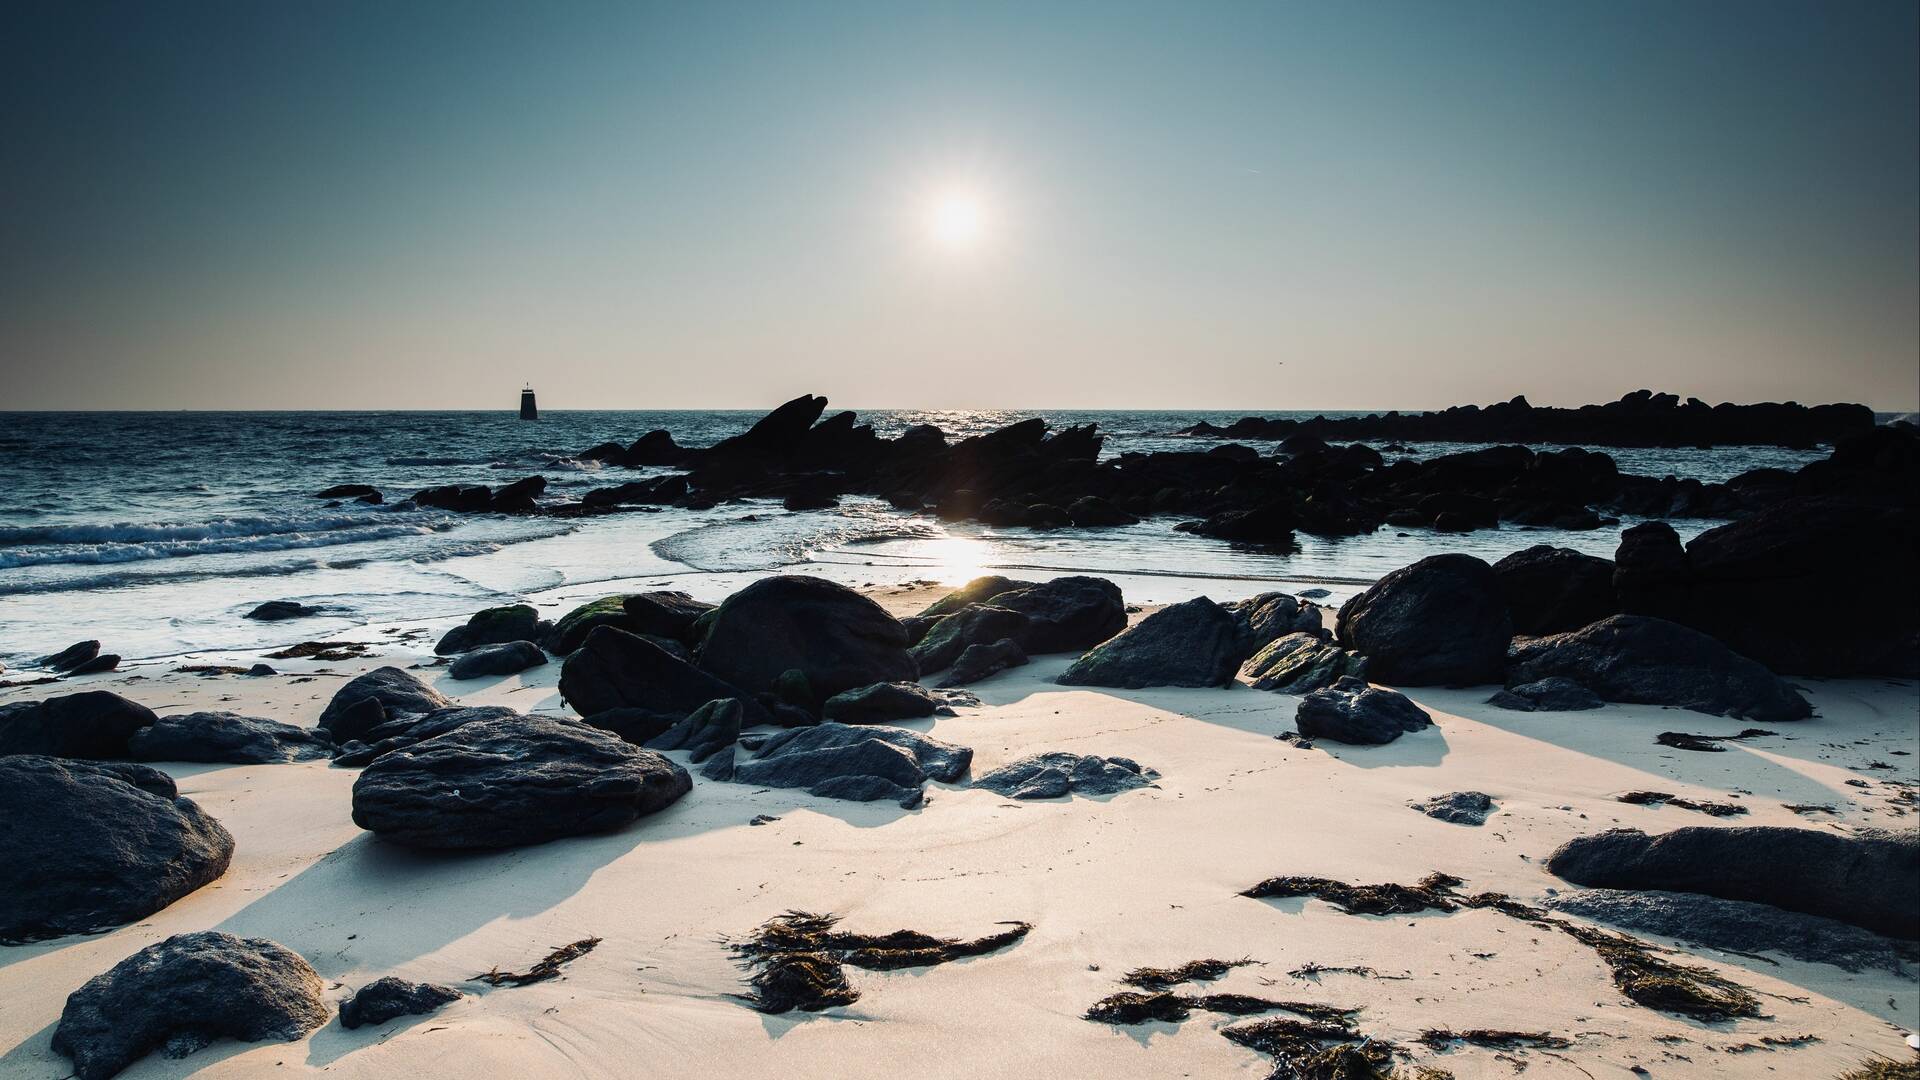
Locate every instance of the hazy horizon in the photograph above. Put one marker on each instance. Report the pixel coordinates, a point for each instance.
(1235, 207)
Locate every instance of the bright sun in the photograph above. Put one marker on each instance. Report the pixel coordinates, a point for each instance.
(956, 220)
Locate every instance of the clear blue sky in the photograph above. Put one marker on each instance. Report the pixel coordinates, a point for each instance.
(1229, 205)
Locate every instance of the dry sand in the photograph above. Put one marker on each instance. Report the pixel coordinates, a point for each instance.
(1144, 878)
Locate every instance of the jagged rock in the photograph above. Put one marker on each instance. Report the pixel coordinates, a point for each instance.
(276, 610)
(1457, 807)
(1067, 614)
(385, 998)
(1300, 663)
(1195, 643)
(708, 730)
(362, 492)
(880, 703)
(1647, 661)
(91, 724)
(506, 659)
(1350, 711)
(618, 670)
(1870, 879)
(492, 626)
(980, 661)
(226, 738)
(860, 764)
(1441, 620)
(977, 624)
(978, 591)
(510, 780)
(86, 846)
(664, 614)
(1270, 616)
(72, 656)
(1736, 926)
(837, 638)
(407, 729)
(1555, 694)
(1550, 589)
(183, 993)
(575, 626)
(1057, 773)
(372, 699)
(103, 662)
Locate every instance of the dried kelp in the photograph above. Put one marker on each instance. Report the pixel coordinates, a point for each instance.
(1308, 1050)
(322, 650)
(1884, 1069)
(1148, 978)
(545, 969)
(1710, 744)
(1133, 1007)
(1432, 893)
(1494, 1039)
(1658, 798)
(799, 955)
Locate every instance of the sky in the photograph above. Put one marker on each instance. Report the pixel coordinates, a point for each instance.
(1238, 205)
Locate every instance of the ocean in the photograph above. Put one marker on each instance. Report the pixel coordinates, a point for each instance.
(156, 532)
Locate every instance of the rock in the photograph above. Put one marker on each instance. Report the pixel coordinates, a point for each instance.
(492, 626)
(391, 692)
(1270, 616)
(571, 631)
(91, 724)
(1870, 879)
(103, 662)
(978, 591)
(711, 729)
(1195, 643)
(664, 614)
(518, 497)
(362, 492)
(977, 624)
(88, 846)
(507, 659)
(258, 670)
(72, 656)
(1300, 663)
(183, 993)
(1552, 589)
(1067, 614)
(619, 670)
(1051, 775)
(1650, 571)
(1442, 620)
(1555, 694)
(1457, 807)
(837, 638)
(1735, 926)
(409, 728)
(383, 999)
(1350, 711)
(275, 610)
(1647, 661)
(226, 738)
(634, 725)
(979, 661)
(1094, 512)
(880, 703)
(860, 764)
(506, 781)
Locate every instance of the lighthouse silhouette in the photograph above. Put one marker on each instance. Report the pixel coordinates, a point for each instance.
(528, 410)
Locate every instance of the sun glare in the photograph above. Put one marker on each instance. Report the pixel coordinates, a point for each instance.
(957, 220)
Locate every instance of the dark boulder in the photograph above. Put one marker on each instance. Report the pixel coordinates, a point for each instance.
(459, 498)
(506, 781)
(1554, 694)
(181, 994)
(409, 728)
(571, 631)
(227, 738)
(1350, 711)
(978, 591)
(979, 661)
(1737, 926)
(618, 670)
(1650, 571)
(86, 846)
(1195, 643)
(103, 662)
(1646, 661)
(1457, 807)
(1550, 589)
(1094, 512)
(383, 999)
(834, 636)
(518, 497)
(1270, 616)
(275, 610)
(1442, 620)
(856, 763)
(1067, 614)
(492, 626)
(506, 659)
(362, 492)
(72, 656)
(374, 698)
(977, 624)
(1300, 663)
(91, 724)
(711, 729)
(664, 614)
(633, 725)
(1057, 773)
(1870, 879)
(881, 703)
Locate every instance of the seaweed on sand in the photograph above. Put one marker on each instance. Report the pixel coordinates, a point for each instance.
(545, 969)
(1656, 798)
(321, 650)
(1315, 1051)
(799, 957)
(1148, 978)
(1440, 1038)
(1884, 1069)
(1132, 1007)
(1431, 893)
(1710, 744)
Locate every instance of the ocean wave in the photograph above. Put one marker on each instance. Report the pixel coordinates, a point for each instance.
(167, 532)
(136, 551)
(754, 542)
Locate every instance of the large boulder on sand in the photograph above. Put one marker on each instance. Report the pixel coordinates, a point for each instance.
(836, 638)
(492, 626)
(980, 590)
(882, 703)
(980, 661)
(510, 780)
(1058, 772)
(1441, 620)
(1270, 616)
(507, 658)
(976, 624)
(1067, 614)
(227, 738)
(1300, 663)
(1350, 711)
(859, 764)
(385, 998)
(618, 670)
(1870, 879)
(374, 698)
(93, 724)
(1195, 643)
(663, 614)
(1550, 589)
(87, 846)
(1640, 660)
(181, 994)
(573, 628)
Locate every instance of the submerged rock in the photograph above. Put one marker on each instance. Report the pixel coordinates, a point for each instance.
(860, 764)
(980, 661)
(1442, 620)
(227, 738)
(183, 993)
(374, 698)
(1300, 663)
(505, 659)
(1646, 661)
(276, 610)
(1350, 711)
(383, 999)
(1195, 643)
(1457, 807)
(1553, 694)
(880, 703)
(90, 724)
(505, 781)
(838, 639)
(615, 669)
(87, 846)
(1057, 773)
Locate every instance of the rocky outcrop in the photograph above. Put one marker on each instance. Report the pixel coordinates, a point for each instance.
(1194, 643)
(1551, 589)
(374, 698)
(1300, 663)
(980, 661)
(618, 670)
(881, 703)
(1057, 773)
(859, 764)
(1554, 694)
(506, 781)
(87, 846)
(1352, 712)
(834, 637)
(1442, 620)
(712, 729)
(664, 614)
(1645, 661)
(980, 590)
(1067, 614)
(1269, 616)
(492, 626)
(226, 738)
(385, 998)
(515, 498)
(506, 659)
(571, 631)
(407, 729)
(977, 624)
(92, 724)
(181, 994)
